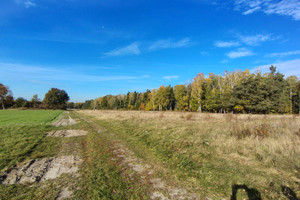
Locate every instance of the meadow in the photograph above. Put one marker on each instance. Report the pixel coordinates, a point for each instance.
(214, 155)
(157, 155)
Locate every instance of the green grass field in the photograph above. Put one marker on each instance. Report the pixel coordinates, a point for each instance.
(34, 117)
(22, 135)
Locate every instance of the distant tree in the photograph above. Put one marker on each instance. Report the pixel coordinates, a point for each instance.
(197, 90)
(21, 103)
(70, 105)
(104, 103)
(9, 101)
(87, 104)
(35, 102)
(237, 91)
(292, 81)
(78, 105)
(4, 94)
(142, 106)
(181, 97)
(298, 91)
(165, 98)
(56, 99)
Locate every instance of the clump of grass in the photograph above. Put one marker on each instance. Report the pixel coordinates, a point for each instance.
(228, 117)
(189, 116)
(298, 132)
(161, 115)
(242, 130)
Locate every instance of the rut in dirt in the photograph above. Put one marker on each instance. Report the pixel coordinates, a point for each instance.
(67, 133)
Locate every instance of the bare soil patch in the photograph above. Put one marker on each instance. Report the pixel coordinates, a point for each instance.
(64, 122)
(40, 170)
(64, 193)
(67, 133)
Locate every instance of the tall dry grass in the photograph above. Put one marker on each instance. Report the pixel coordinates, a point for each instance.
(268, 142)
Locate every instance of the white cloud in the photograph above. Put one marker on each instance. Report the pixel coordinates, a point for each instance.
(170, 77)
(283, 54)
(247, 12)
(249, 40)
(241, 52)
(281, 7)
(291, 67)
(226, 44)
(26, 3)
(164, 44)
(255, 40)
(132, 49)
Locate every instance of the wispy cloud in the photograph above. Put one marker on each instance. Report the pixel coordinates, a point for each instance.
(164, 44)
(226, 44)
(132, 49)
(291, 67)
(281, 7)
(26, 3)
(249, 40)
(241, 52)
(170, 77)
(136, 49)
(255, 40)
(13, 71)
(283, 54)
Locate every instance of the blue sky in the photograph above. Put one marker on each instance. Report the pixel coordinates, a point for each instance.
(93, 48)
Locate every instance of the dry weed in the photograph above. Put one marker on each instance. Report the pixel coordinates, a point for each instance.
(189, 116)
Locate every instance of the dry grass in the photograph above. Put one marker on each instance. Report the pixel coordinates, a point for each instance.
(265, 143)
(271, 135)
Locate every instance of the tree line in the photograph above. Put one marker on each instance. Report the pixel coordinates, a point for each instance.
(54, 99)
(237, 91)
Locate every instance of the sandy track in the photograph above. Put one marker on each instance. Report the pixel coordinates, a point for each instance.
(159, 188)
(64, 122)
(40, 170)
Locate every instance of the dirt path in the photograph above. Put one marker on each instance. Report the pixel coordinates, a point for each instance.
(64, 122)
(158, 188)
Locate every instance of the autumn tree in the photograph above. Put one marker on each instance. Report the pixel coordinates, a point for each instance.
(165, 98)
(35, 102)
(293, 95)
(181, 97)
(197, 90)
(238, 91)
(4, 93)
(151, 105)
(21, 103)
(56, 99)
